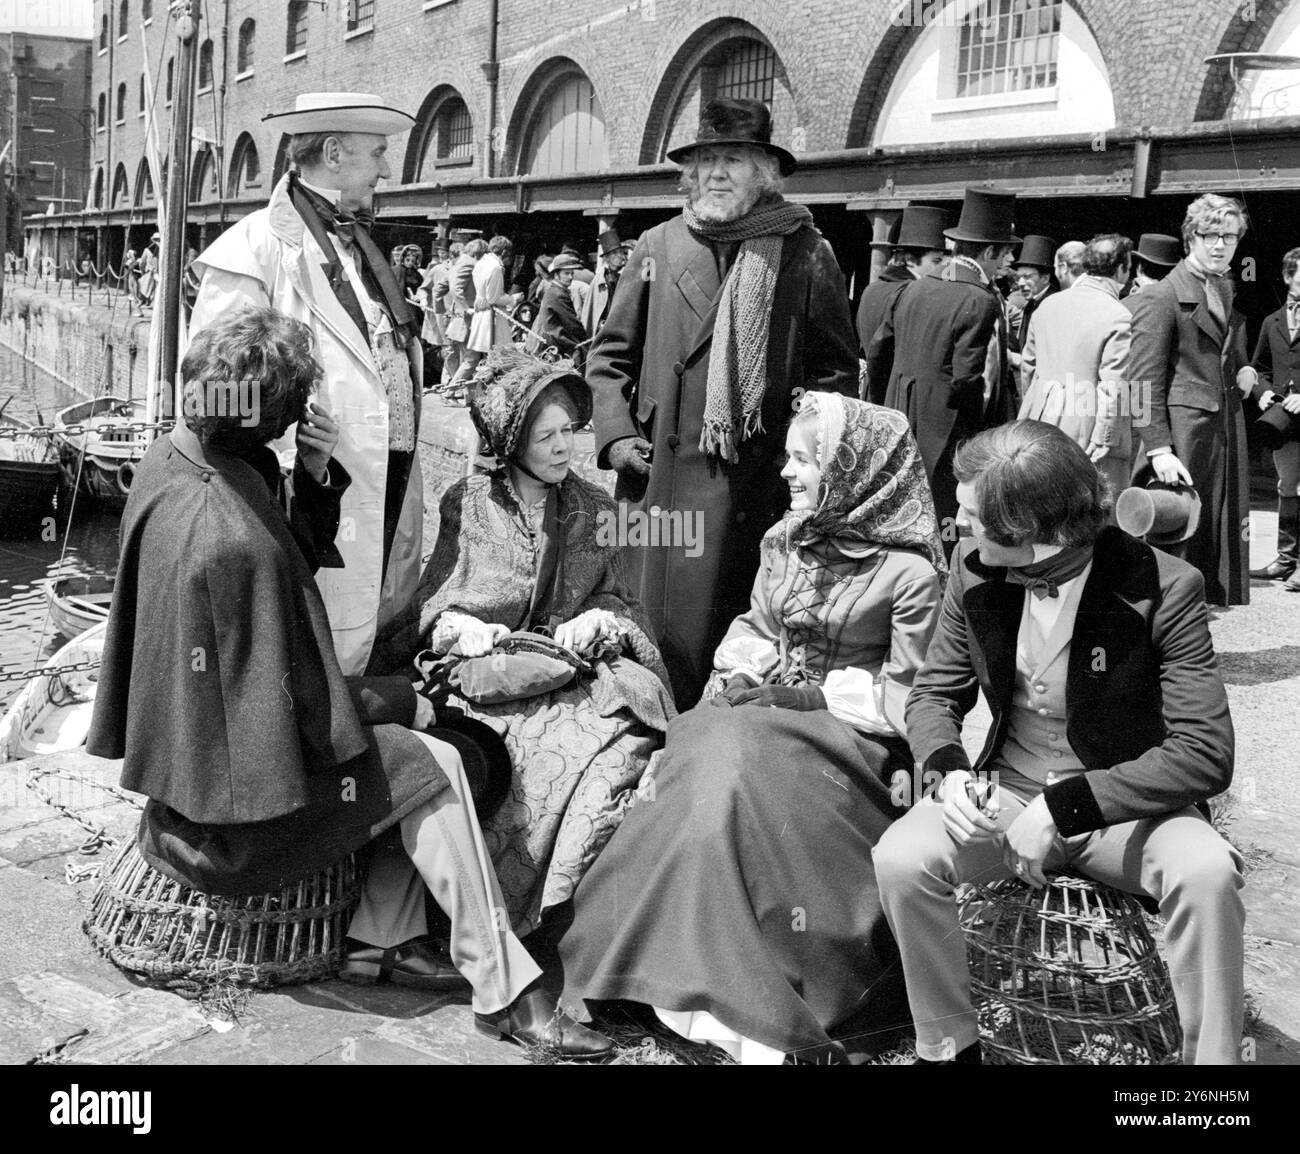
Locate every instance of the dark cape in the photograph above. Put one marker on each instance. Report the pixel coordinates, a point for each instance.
(220, 688)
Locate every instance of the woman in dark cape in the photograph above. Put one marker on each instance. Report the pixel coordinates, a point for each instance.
(738, 898)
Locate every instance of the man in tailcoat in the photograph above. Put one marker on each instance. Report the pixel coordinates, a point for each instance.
(918, 250)
(942, 347)
(723, 317)
(1110, 730)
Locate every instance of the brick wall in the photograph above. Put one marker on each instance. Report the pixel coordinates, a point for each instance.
(839, 57)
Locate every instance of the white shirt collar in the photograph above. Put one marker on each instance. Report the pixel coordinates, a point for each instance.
(333, 195)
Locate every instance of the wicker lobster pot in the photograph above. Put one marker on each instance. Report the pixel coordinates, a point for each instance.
(1067, 976)
(150, 925)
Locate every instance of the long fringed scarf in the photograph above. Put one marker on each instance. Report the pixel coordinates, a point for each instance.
(733, 403)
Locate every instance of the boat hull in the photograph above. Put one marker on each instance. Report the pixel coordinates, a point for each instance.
(51, 714)
(78, 603)
(29, 482)
(101, 466)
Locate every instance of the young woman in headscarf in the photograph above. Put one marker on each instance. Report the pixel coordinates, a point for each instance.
(738, 899)
(531, 546)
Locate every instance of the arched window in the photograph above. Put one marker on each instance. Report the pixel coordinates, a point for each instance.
(245, 168)
(101, 110)
(205, 65)
(740, 67)
(203, 184)
(171, 70)
(144, 194)
(103, 31)
(244, 55)
(121, 191)
(295, 36)
(141, 109)
(120, 106)
(123, 17)
(444, 135)
(99, 188)
(567, 129)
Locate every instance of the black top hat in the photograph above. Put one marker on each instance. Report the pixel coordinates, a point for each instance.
(1164, 514)
(735, 121)
(1038, 252)
(986, 215)
(919, 228)
(1277, 427)
(465, 235)
(1157, 248)
(608, 242)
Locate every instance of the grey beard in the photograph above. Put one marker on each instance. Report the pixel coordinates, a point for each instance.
(706, 210)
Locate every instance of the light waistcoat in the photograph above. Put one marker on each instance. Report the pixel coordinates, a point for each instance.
(1036, 746)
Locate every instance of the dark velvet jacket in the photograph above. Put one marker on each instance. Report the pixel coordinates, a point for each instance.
(1146, 710)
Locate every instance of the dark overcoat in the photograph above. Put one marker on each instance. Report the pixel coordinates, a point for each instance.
(648, 373)
(1183, 362)
(557, 321)
(934, 349)
(1146, 710)
(875, 304)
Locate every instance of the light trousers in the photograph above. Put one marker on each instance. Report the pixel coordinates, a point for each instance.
(443, 850)
(1178, 859)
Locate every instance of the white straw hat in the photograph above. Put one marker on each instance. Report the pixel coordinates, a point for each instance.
(340, 112)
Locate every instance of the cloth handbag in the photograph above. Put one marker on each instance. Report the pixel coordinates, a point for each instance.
(521, 665)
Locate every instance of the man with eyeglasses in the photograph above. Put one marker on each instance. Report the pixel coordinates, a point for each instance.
(1189, 356)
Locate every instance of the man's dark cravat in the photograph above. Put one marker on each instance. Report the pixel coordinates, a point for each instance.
(1044, 578)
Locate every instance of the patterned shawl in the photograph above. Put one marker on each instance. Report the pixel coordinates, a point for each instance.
(873, 487)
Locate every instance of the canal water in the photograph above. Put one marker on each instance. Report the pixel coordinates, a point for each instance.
(85, 545)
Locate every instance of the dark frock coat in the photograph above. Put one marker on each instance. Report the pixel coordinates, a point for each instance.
(933, 347)
(557, 321)
(263, 763)
(1181, 356)
(874, 306)
(648, 373)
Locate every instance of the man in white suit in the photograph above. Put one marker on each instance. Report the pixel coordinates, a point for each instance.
(1075, 361)
(309, 255)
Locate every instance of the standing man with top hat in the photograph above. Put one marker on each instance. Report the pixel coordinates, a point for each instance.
(611, 259)
(1154, 256)
(918, 249)
(1189, 351)
(1033, 269)
(309, 255)
(724, 316)
(942, 347)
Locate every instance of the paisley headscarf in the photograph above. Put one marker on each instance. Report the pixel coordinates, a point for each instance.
(873, 488)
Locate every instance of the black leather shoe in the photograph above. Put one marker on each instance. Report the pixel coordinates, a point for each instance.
(534, 1019)
(1293, 584)
(416, 963)
(1276, 570)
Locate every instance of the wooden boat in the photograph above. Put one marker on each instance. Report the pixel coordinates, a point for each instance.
(111, 456)
(52, 713)
(78, 603)
(29, 479)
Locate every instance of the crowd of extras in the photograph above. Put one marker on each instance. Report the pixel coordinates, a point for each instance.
(717, 792)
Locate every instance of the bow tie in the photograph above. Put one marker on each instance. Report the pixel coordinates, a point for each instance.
(1045, 578)
(1040, 587)
(345, 224)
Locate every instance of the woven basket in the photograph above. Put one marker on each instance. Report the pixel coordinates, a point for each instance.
(1068, 975)
(177, 937)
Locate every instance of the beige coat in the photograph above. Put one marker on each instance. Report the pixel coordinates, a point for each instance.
(269, 258)
(1074, 372)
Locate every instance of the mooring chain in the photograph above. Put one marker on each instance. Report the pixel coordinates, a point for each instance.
(99, 836)
(49, 670)
(15, 432)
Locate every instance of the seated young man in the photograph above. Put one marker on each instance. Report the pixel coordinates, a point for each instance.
(220, 689)
(1110, 728)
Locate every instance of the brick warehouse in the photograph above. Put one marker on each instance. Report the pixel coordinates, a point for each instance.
(1108, 117)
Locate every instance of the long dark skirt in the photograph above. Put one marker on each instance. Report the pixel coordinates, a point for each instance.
(741, 882)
